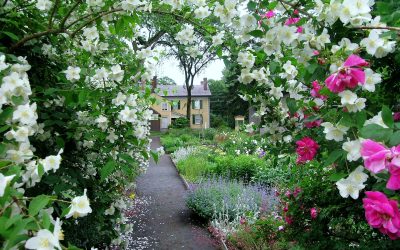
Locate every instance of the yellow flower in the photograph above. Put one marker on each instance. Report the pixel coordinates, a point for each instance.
(132, 196)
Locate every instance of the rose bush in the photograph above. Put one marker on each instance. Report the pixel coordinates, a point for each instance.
(317, 72)
(75, 107)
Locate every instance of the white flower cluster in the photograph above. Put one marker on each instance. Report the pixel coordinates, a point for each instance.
(333, 132)
(131, 112)
(15, 91)
(227, 11)
(353, 184)
(186, 35)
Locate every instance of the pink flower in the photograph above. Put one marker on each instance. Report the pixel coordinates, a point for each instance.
(306, 149)
(382, 213)
(269, 14)
(316, 52)
(288, 193)
(242, 221)
(292, 20)
(316, 87)
(314, 213)
(377, 158)
(296, 191)
(296, 12)
(394, 179)
(396, 116)
(348, 76)
(313, 124)
(299, 29)
(289, 220)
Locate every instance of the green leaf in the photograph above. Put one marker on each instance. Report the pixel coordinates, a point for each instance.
(292, 105)
(333, 157)
(376, 132)
(11, 35)
(154, 155)
(387, 117)
(38, 203)
(272, 5)
(337, 176)
(2, 148)
(256, 33)
(4, 128)
(40, 170)
(7, 113)
(127, 158)
(347, 120)
(46, 221)
(252, 5)
(107, 169)
(360, 118)
(60, 142)
(395, 139)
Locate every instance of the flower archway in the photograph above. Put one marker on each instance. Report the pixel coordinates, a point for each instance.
(75, 98)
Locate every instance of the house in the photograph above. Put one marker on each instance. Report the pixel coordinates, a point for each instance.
(172, 103)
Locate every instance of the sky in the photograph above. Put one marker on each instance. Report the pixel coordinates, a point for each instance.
(170, 67)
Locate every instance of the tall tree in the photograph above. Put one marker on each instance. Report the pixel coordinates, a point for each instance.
(192, 59)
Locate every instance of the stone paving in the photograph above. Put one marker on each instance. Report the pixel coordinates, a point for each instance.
(161, 219)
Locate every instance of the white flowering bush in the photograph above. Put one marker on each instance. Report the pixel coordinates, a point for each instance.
(75, 98)
(183, 153)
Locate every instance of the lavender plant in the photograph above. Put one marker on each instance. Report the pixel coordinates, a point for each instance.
(217, 196)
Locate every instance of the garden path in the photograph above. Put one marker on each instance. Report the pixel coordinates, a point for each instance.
(163, 220)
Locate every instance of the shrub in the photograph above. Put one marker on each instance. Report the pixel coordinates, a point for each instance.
(194, 167)
(181, 122)
(276, 171)
(182, 153)
(216, 196)
(238, 167)
(171, 143)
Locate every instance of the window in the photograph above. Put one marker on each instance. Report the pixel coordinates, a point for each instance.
(197, 119)
(176, 105)
(164, 106)
(197, 104)
(154, 117)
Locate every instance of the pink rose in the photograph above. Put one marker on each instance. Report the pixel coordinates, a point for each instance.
(296, 191)
(306, 149)
(316, 87)
(292, 20)
(396, 116)
(375, 155)
(382, 213)
(314, 213)
(289, 220)
(349, 75)
(269, 14)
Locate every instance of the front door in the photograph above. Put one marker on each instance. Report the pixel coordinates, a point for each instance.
(164, 122)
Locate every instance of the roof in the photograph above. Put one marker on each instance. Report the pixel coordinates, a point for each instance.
(180, 90)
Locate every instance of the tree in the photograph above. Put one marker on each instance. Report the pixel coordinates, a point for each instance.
(165, 80)
(192, 61)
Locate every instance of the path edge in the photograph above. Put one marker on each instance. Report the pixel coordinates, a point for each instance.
(185, 183)
(187, 187)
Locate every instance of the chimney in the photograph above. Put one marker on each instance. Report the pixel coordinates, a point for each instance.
(205, 83)
(154, 83)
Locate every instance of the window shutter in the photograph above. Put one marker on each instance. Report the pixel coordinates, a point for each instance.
(179, 104)
(201, 104)
(193, 119)
(201, 119)
(193, 104)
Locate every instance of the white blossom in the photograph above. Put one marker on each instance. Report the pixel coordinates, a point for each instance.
(80, 206)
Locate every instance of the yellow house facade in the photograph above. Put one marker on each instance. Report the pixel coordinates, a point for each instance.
(172, 103)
